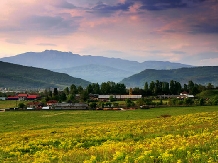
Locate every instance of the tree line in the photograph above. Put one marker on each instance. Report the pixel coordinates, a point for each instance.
(75, 94)
(154, 88)
(173, 88)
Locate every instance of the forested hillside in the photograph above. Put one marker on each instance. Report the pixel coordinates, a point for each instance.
(17, 76)
(200, 75)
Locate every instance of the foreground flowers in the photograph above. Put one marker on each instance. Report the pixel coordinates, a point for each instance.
(187, 138)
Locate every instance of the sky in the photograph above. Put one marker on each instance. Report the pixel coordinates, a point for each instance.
(183, 31)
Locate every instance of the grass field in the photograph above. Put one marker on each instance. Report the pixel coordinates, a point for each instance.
(187, 134)
(8, 104)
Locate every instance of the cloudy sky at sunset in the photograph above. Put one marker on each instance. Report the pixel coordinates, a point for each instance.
(184, 31)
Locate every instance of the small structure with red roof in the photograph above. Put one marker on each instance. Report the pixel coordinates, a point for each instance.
(51, 102)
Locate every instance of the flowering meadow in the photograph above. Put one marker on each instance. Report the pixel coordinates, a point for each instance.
(190, 138)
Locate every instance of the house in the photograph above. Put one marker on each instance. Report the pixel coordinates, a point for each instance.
(185, 95)
(70, 106)
(51, 102)
(24, 96)
(34, 105)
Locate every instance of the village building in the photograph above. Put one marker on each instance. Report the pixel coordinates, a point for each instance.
(70, 106)
(185, 95)
(34, 105)
(51, 102)
(182, 95)
(119, 97)
(12, 98)
(23, 96)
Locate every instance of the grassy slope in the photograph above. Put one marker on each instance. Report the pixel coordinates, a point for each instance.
(34, 120)
(208, 94)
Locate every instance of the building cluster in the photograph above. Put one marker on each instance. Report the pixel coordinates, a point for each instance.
(34, 103)
(55, 105)
(21, 96)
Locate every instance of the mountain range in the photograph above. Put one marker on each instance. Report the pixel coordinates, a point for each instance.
(91, 68)
(200, 75)
(24, 77)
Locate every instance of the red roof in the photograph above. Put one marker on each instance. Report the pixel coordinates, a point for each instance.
(50, 102)
(22, 95)
(184, 92)
(32, 96)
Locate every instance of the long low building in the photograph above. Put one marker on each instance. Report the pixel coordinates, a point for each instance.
(119, 97)
(69, 106)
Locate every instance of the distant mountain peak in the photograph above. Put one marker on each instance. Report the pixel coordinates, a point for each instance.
(54, 59)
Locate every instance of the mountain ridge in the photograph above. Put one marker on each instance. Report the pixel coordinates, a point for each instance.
(200, 75)
(18, 76)
(117, 68)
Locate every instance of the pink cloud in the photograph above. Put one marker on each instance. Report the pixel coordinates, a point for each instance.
(133, 32)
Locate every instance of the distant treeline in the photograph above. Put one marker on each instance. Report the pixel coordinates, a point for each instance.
(108, 88)
(154, 88)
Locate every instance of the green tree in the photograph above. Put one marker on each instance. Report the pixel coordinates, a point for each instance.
(55, 94)
(146, 89)
(210, 86)
(158, 87)
(190, 87)
(50, 93)
(201, 102)
(71, 98)
(165, 88)
(172, 87)
(21, 105)
(73, 89)
(67, 91)
(62, 96)
(140, 102)
(129, 103)
(96, 88)
(178, 88)
(93, 105)
(152, 87)
(84, 96)
(111, 98)
(188, 101)
(138, 91)
(89, 88)
(79, 89)
(185, 88)
(120, 89)
(105, 88)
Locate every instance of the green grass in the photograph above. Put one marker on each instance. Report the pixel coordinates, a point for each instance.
(33, 120)
(10, 103)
